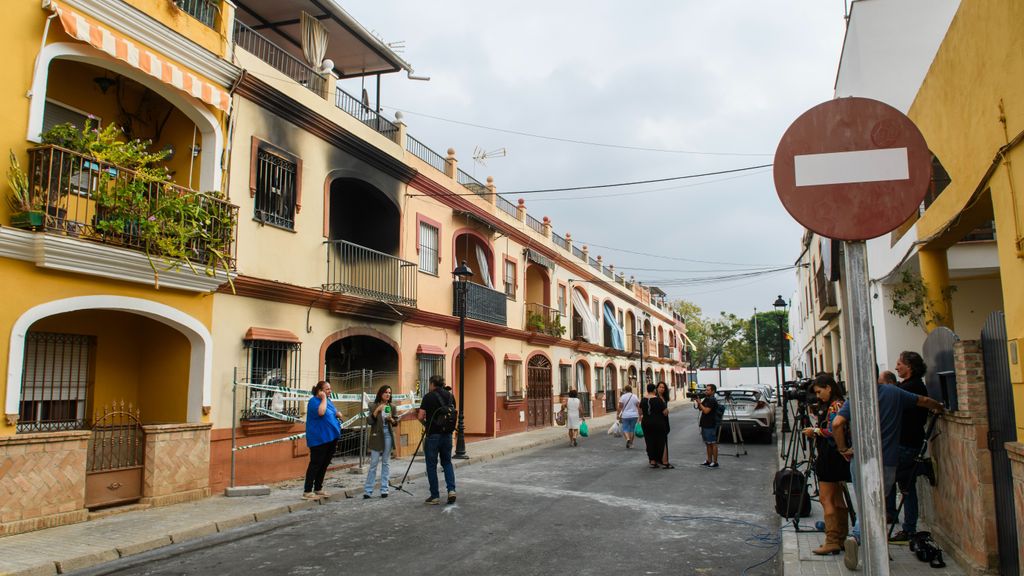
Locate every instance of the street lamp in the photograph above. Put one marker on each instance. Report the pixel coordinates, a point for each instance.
(462, 274)
(780, 306)
(640, 339)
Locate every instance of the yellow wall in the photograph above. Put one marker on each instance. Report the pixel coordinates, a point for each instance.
(169, 15)
(980, 64)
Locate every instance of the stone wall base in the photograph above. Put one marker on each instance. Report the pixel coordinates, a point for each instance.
(39, 523)
(179, 498)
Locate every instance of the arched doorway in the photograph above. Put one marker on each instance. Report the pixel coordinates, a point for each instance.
(358, 364)
(538, 392)
(479, 395)
(475, 250)
(611, 389)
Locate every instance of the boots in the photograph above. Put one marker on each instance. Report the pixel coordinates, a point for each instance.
(843, 524)
(833, 544)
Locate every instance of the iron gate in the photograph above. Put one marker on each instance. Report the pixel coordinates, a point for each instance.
(538, 392)
(115, 459)
(1001, 429)
(355, 434)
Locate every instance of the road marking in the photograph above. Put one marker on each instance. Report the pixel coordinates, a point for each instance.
(851, 167)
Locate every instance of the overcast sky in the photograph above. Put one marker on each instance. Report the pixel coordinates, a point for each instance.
(721, 77)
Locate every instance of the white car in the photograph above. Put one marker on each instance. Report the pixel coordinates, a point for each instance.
(751, 409)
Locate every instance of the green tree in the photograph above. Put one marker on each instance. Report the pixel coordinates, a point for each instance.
(770, 326)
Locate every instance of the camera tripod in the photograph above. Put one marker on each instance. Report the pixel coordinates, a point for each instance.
(734, 426)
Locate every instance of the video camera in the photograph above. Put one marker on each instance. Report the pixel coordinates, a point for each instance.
(799, 390)
(695, 394)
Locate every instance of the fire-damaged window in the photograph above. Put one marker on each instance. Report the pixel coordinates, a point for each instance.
(274, 185)
(273, 367)
(55, 382)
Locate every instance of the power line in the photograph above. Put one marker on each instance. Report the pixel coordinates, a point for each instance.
(575, 141)
(677, 258)
(642, 192)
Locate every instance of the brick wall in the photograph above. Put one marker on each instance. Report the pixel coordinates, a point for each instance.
(1016, 453)
(177, 463)
(42, 480)
(961, 508)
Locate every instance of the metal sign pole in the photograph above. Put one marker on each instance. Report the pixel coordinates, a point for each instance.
(862, 383)
(234, 420)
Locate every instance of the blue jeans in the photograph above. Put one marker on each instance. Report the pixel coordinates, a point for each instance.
(439, 445)
(385, 466)
(888, 479)
(908, 464)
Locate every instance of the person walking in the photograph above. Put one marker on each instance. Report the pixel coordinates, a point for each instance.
(628, 413)
(382, 421)
(571, 406)
(654, 422)
(831, 467)
(323, 428)
(438, 442)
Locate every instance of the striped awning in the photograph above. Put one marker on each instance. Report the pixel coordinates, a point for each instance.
(534, 256)
(87, 30)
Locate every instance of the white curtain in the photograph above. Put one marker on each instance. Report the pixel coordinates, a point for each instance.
(481, 262)
(314, 41)
(581, 382)
(590, 328)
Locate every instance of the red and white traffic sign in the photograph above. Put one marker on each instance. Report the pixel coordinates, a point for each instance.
(852, 169)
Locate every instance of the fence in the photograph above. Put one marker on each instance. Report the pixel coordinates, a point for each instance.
(355, 108)
(421, 151)
(254, 43)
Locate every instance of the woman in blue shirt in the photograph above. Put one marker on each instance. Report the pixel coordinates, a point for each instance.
(322, 431)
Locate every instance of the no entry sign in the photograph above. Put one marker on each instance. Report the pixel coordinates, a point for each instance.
(852, 169)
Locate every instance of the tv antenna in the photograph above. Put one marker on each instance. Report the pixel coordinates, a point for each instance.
(480, 156)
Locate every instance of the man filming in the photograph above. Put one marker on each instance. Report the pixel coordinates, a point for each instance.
(708, 407)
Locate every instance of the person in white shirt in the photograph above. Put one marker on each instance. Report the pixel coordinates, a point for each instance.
(628, 413)
(571, 406)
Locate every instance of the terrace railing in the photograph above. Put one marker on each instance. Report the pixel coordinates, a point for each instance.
(543, 319)
(506, 206)
(537, 225)
(253, 42)
(355, 108)
(367, 273)
(421, 151)
(473, 184)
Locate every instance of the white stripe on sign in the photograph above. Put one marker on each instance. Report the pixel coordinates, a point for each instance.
(851, 167)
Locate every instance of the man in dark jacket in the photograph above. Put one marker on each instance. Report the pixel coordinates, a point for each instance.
(910, 367)
(438, 442)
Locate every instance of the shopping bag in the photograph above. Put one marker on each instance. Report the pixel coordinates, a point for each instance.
(639, 431)
(584, 429)
(616, 429)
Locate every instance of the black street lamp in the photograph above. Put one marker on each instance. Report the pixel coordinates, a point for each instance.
(640, 339)
(780, 306)
(462, 275)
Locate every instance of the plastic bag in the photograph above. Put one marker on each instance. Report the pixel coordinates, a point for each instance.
(584, 429)
(639, 431)
(616, 429)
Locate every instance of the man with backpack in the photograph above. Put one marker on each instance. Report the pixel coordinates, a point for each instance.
(438, 414)
(709, 419)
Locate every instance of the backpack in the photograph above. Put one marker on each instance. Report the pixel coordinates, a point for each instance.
(448, 415)
(719, 413)
(791, 497)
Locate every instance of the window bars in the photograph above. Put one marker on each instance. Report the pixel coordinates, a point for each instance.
(55, 383)
(271, 363)
(275, 190)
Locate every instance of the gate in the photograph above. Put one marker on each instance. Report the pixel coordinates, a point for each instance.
(354, 435)
(115, 460)
(611, 391)
(538, 392)
(1001, 429)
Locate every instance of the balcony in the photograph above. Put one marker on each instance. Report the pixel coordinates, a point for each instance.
(825, 293)
(482, 303)
(205, 11)
(544, 320)
(360, 271)
(251, 41)
(92, 200)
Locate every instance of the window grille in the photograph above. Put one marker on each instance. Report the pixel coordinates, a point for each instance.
(272, 363)
(428, 248)
(55, 382)
(513, 380)
(599, 379)
(429, 365)
(564, 379)
(275, 189)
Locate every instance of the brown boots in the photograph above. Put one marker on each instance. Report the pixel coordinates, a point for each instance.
(836, 529)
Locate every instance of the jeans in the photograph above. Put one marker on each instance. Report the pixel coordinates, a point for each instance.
(439, 445)
(385, 466)
(888, 479)
(319, 459)
(907, 466)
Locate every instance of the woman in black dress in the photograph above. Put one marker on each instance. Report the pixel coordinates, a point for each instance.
(654, 421)
(831, 467)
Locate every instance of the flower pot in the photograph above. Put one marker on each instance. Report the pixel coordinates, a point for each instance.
(32, 220)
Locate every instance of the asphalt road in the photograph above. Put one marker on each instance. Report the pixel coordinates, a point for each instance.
(591, 510)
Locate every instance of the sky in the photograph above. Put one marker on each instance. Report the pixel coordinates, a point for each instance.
(603, 92)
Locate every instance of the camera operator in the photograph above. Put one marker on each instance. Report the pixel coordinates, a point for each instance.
(708, 407)
(831, 467)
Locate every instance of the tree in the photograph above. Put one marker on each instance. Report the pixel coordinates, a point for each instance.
(769, 325)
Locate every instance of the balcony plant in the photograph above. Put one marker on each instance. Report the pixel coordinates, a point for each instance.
(26, 207)
(556, 328)
(535, 323)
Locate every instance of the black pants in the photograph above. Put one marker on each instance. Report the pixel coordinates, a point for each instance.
(319, 459)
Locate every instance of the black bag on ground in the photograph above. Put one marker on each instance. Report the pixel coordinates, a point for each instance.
(791, 497)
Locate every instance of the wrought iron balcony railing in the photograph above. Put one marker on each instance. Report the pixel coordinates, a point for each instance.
(355, 108)
(203, 10)
(253, 42)
(360, 271)
(544, 319)
(94, 200)
(482, 303)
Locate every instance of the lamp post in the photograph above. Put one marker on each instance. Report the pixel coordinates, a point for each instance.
(640, 339)
(462, 273)
(780, 306)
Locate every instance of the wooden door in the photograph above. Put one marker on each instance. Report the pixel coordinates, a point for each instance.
(538, 392)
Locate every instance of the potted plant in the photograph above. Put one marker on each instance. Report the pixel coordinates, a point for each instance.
(26, 207)
(535, 322)
(556, 328)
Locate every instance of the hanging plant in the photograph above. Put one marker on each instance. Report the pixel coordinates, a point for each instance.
(910, 301)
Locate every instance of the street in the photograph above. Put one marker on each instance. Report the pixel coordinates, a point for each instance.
(594, 509)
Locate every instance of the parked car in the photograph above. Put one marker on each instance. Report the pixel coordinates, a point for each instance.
(751, 409)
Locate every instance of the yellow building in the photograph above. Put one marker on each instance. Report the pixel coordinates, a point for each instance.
(108, 378)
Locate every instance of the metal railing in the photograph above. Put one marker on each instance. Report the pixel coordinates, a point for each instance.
(621, 279)
(253, 42)
(472, 183)
(506, 206)
(595, 264)
(579, 253)
(537, 225)
(608, 273)
(205, 11)
(355, 108)
(559, 241)
(544, 319)
(482, 303)
(421, 151)
(93, 200)
(360, 271)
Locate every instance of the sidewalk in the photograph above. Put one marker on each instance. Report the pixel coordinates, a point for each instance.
(798, 560)
(66, 548)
